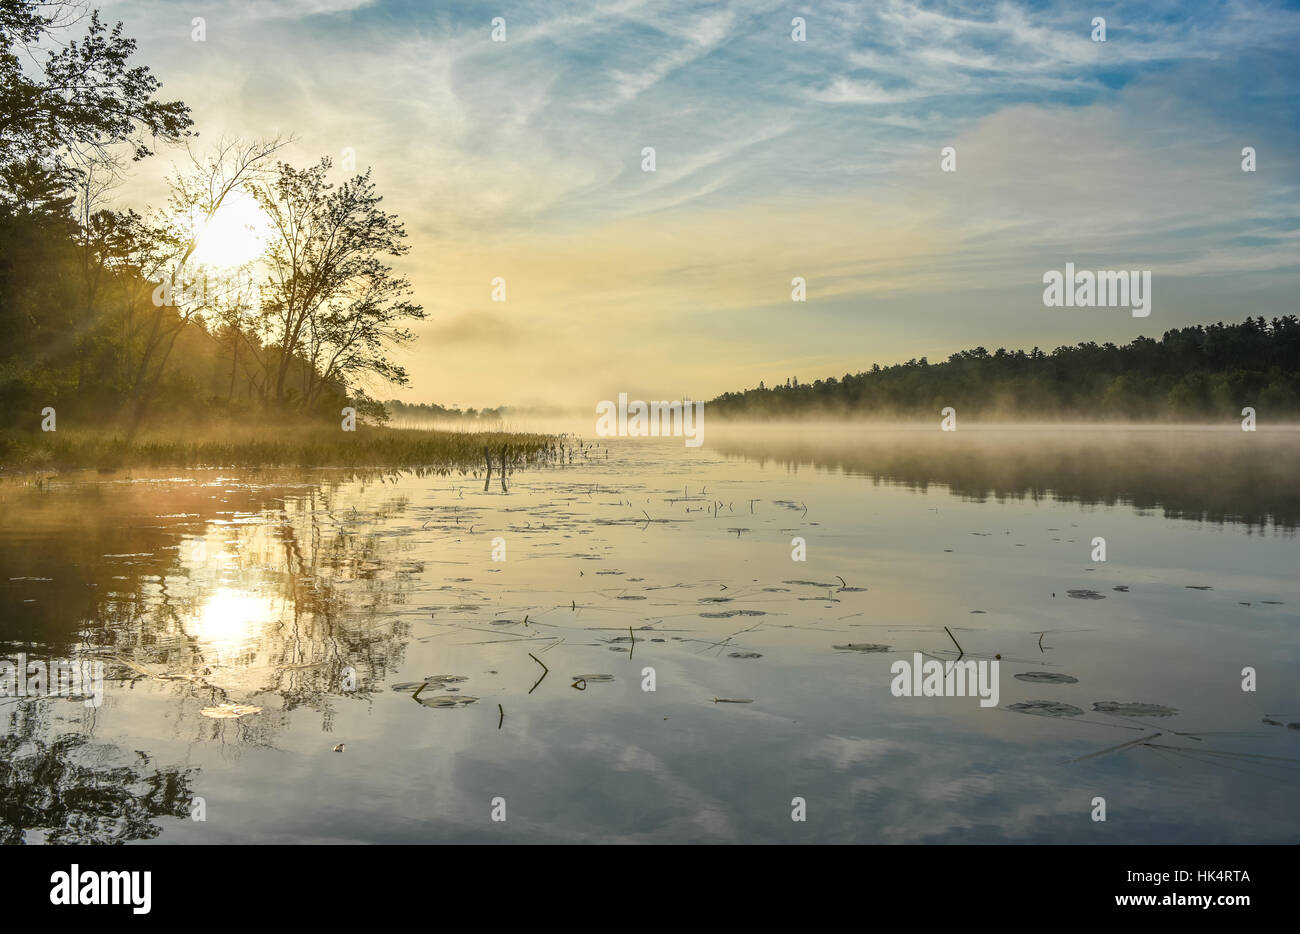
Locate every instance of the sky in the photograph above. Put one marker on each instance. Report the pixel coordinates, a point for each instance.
(774, 159)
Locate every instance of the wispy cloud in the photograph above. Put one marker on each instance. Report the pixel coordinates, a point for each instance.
(522, 159)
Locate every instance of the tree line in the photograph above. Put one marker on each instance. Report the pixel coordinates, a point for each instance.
(108, 314)
(433, 412)
(1200, 372)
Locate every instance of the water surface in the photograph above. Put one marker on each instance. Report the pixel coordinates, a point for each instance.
(368, 611)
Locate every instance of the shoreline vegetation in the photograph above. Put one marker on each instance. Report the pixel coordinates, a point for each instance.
(268, 446)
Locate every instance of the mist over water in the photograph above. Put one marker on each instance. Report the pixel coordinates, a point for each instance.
(199, 589)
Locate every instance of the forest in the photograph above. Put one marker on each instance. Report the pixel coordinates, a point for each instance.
(1191, 373)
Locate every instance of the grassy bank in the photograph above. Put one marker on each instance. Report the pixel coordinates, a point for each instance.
(273, 446)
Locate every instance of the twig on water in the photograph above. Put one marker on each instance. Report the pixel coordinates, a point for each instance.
(503, 716)
(960, 650)
(545, 671)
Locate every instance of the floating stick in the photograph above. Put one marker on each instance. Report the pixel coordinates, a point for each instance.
(960, 650)
(545, 671)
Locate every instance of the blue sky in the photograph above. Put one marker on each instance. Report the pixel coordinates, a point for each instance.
(775, 159)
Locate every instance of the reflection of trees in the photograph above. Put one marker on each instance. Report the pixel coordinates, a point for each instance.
(314, 552)
(1206, 476)
(330, 631)
(63, 789)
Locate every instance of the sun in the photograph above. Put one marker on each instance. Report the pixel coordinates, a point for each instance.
(236, 235)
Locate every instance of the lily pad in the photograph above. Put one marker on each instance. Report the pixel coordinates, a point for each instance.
(744, 655)
(1085, 595)
(1046, 677)
(433, 681)
(229, 711)
(446, 700)
(1133, 709)
(1047, 709)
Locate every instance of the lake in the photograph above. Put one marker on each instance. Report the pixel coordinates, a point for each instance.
(484, 657)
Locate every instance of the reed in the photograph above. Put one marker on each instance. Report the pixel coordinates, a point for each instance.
(270, 446)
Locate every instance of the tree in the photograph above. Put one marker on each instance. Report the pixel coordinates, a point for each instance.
(333, 301)
(161, 250)
(84, 99)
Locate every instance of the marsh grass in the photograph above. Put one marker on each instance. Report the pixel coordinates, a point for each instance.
(271, 446)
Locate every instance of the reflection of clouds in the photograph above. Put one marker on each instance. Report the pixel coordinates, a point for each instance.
(605, 766)
(841, 752)
(955, 787)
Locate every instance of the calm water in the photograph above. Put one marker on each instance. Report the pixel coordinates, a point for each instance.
(199, 589)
